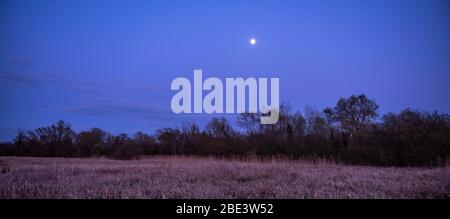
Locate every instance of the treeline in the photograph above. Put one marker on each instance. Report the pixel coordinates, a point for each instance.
(350, 133)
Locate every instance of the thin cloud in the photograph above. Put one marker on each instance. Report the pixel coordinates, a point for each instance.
(30, 79)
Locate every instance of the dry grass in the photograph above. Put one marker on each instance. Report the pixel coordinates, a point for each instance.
(188, 177)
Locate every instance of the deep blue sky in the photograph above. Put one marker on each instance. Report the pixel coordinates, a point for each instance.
(109, 64)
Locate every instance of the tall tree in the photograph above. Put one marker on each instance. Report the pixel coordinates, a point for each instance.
(353, 113)
(59, 137)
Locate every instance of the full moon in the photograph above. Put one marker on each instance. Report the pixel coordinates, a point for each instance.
(253, 41)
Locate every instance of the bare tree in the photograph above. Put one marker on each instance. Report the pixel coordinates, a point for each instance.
(219, 128)
(249, 122)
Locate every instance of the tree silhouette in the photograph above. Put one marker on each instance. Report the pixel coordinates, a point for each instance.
(345, 133)
(353, 113)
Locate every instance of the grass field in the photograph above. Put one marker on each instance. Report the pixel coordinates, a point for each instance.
(189, 177)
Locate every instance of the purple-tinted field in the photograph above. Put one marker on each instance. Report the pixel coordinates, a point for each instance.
(163, 177)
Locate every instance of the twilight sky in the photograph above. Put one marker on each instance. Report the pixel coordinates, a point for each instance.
(109, 64)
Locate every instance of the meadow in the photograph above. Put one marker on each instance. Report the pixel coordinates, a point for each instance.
(192, 177)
